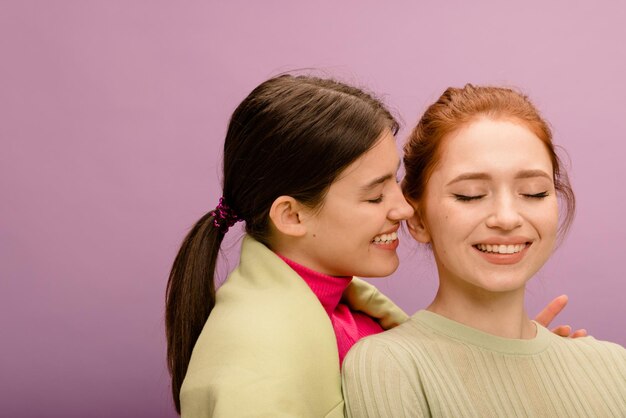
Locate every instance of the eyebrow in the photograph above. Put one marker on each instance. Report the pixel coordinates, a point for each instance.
(372, 184)
(524, 174)
(379, 180)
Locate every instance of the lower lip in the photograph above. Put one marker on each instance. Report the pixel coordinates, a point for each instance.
(495, 258)
(390, 247)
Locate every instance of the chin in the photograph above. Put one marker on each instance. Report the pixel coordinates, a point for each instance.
(503, 286)
(379, 270)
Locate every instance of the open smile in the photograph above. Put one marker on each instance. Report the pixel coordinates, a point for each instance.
(387, 241)
(503, 253)
(385, 238)
(501, 248)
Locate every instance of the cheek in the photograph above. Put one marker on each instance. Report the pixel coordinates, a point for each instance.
(555, 218)
(447, 219)
(439, 224)
(547, 219)
(551, 212)
(355, 222)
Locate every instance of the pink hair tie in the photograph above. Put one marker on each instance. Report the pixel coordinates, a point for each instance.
(224, 216)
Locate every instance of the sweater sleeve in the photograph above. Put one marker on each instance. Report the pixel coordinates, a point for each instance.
(364, 297)
(375, 384)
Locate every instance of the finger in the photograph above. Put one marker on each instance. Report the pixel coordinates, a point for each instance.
(562, 331)
(579, 333)
(552, 310)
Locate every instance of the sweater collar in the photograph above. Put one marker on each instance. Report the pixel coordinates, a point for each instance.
(328, 289)
(469, 335)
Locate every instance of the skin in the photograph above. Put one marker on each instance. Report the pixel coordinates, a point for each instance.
(493, 185)
(363, 203)
(547, 315)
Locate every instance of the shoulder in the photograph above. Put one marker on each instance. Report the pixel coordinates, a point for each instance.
(411, 332)
(600, 355)
(264, 332)
(382, 375)
(404, 344)
(364, 297)
(263, 301)
(589, 345)
(267, 342)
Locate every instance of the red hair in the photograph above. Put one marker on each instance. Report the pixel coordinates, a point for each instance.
(457, 108)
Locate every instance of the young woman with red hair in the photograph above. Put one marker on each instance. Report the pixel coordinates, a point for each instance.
(487, 188)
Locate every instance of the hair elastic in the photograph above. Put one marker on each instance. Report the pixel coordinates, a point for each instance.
(224, 216)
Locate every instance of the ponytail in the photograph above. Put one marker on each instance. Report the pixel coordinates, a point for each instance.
(190, 296)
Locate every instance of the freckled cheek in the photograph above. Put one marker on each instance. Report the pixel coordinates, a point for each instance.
(455, 218)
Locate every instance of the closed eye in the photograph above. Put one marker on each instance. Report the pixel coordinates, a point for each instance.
(377, 200)
(465, 198)
(537, 195)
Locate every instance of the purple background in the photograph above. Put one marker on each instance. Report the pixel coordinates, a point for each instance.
(112, 119)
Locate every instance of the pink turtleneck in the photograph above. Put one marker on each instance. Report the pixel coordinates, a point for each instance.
(349, 326)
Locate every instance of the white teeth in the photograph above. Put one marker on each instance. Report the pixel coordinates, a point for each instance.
(501, 249)
(385, 238)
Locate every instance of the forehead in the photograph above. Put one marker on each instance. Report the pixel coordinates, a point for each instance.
(487, 145)
(382, 159)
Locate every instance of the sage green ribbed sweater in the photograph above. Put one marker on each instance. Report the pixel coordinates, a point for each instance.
(433, 366)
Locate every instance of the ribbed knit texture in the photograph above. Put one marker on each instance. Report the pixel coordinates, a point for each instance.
(431, 366)
(349, 326)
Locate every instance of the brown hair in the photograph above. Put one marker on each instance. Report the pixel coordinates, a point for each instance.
(292, 135)
(458, 107)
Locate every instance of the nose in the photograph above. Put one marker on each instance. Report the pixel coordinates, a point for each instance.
(504, 214)
(400, 209)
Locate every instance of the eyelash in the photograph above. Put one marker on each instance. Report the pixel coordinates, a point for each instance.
(464, 198)
(537, 195)
(380, 198)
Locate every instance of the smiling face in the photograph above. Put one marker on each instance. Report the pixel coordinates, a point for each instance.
(490, 207)
(354, 233)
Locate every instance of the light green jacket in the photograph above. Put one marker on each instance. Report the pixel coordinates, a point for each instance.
(268, 348)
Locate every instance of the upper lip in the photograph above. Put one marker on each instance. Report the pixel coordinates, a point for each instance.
(394, 229)
(504, 241)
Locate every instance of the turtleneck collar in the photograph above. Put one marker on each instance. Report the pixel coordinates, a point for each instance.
(328, 289)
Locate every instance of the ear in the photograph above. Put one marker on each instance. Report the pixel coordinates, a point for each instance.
(417, 226)
(285, 214)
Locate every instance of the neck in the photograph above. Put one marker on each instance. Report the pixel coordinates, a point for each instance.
(497, 313)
